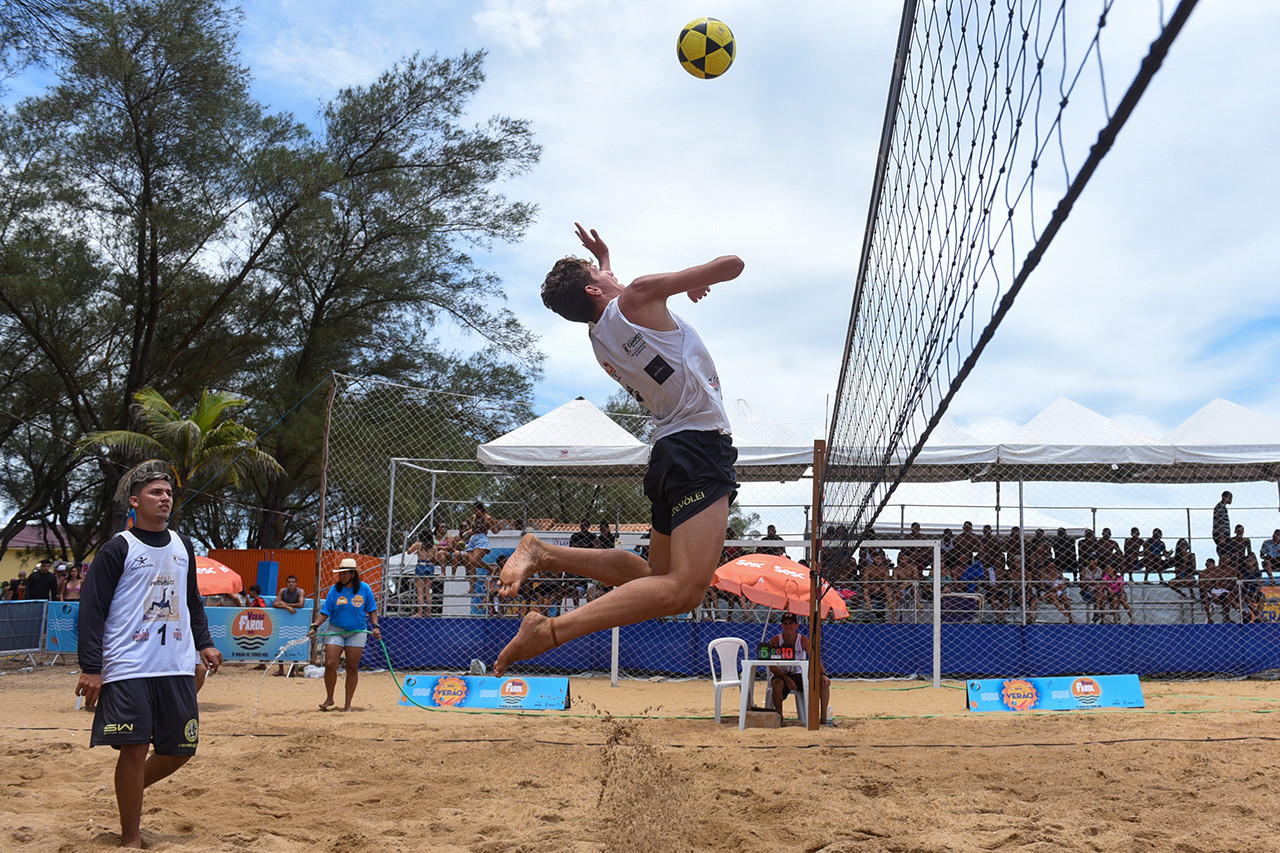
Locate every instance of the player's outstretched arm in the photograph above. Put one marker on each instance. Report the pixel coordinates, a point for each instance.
(645, 300)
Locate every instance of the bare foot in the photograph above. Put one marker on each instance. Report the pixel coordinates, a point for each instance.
(326, 704)
(522, 563)
(533, 638)
(279, 672)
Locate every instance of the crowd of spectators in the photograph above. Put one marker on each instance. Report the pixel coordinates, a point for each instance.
(1024, 572)
(48, 581)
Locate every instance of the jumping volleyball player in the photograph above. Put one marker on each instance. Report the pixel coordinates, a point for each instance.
(663, 363)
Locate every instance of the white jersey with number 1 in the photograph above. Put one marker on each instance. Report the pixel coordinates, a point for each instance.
(148, 629)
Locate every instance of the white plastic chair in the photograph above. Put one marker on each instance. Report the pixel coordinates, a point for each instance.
(727, 650)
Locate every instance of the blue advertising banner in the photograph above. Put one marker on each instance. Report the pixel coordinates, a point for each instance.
(62, 627)
(258, 633)
(240, 633)
(1060, 693)
(476, 691)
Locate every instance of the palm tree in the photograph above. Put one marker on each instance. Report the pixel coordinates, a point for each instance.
(204, 447)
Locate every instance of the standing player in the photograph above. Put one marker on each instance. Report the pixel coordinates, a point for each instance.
(664, 365)
(142, 627)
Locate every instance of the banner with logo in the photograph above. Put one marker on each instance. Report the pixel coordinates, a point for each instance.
(240, 633)
(258, 633)
(477, 691)
(1059, 693)
(62, 627)
(1271, 604)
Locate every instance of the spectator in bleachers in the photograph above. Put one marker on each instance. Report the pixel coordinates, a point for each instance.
(4, 590)
(583, 537)
(18, 586)
(1219, 584)
(717, 605)
(838, 563)
(1238, 548)
(426, 559)
(974, 581)
(990, 553)
(1014, 544)
(1133, 553)
(1017, 588)
(445, 546)
(483, 523)
(1155, 556)
(1109, 554)
(907, 575)
(1184, 569)
(1053, 589)
(1221, 525)
(951, 567)
(1270, 554)
(876, 587)
(920, 556)
(1112, 586)
(1089, 548)
(966, 545)
(1091, 589)
(1064, 554)
(1252, 599)
(605, 538)
(771, 534)
(1039, 551)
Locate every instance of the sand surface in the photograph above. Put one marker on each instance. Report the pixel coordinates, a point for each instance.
(643, 767)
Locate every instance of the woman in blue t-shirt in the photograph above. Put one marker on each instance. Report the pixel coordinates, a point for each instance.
(352, 614)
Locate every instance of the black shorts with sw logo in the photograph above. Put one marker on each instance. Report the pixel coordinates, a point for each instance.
(161, 710)
(688, 472)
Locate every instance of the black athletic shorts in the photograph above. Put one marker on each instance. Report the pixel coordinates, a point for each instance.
(688, 471)
(797, 677)
(161, 710)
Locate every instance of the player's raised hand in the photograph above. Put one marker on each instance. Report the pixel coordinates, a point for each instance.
(592, 243)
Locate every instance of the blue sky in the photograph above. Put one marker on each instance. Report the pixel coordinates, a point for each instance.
(1159, 295)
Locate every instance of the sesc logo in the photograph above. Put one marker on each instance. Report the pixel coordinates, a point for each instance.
(514, 691)
(251, 628)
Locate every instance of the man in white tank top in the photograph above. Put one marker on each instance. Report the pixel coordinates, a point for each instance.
(142, 630)
(663, 364)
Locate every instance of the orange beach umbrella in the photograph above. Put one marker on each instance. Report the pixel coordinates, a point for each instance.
(776, 582)
(213, 578)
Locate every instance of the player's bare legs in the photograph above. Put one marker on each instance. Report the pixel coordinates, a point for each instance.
(679, 571)
(134, 773)
(610, 566)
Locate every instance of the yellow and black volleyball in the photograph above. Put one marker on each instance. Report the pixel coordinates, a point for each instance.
(706, 47)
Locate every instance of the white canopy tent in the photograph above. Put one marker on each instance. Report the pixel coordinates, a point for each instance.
(1067, 442)
(579, 440)
(568, 439)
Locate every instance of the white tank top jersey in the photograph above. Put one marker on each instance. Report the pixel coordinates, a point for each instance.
(670, 373)
(148, 630)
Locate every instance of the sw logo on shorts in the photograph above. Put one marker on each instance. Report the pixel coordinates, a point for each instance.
(116, 728)
(191, 732)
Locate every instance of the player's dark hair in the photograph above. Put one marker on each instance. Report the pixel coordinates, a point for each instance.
(564, 290)
(139, 476)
